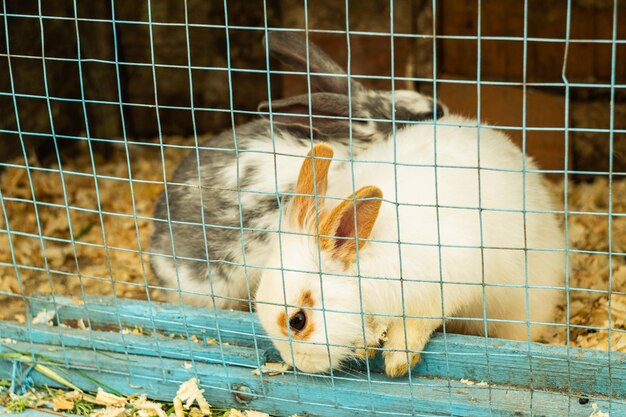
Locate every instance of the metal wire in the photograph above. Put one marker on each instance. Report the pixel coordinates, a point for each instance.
(335, 375)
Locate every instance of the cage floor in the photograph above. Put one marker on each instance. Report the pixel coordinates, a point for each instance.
(102, 240)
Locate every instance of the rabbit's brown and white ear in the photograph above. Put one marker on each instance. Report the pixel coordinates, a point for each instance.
(329, 115)
(290, 49)
(312, 183)
(338, 231)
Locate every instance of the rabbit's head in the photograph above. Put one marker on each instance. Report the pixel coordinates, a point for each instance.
(308, 298)
(343, 107)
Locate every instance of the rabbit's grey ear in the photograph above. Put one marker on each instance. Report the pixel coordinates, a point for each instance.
(290, 49)
(329, 113)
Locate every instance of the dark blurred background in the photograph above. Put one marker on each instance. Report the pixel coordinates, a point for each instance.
(127, 64)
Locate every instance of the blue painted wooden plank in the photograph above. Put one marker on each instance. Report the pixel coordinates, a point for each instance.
(291, 394)
(157, 346)
(451, 356)
(235, 326)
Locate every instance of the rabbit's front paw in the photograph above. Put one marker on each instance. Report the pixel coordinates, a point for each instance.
(405, 341)
(397, 362)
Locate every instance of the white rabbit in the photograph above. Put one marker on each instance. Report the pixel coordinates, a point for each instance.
(424, 223)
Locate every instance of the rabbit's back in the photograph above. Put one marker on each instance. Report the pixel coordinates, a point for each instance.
(200, 231)
(410, 174)
(234, 191)
(463, 224)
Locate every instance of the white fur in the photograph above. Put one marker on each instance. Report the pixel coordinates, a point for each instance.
(458, 224)
(181, 281)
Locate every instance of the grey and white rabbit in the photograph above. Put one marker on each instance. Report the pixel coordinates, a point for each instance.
(241, 182)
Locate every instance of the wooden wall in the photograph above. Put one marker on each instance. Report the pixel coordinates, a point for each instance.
(207, 50)
(501, 60)
(589, 61)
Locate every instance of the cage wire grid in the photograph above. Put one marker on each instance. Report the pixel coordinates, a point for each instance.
(185, 319)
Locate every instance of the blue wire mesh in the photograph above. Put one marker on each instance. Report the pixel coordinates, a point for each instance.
(163, 145)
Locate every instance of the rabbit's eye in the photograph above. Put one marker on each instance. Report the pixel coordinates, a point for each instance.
(298, 321)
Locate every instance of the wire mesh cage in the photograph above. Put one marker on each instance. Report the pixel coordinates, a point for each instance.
(315, 208)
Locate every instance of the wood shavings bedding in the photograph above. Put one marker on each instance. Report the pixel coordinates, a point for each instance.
(121, 270)
(188, 402)
(589, 232)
